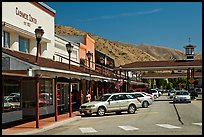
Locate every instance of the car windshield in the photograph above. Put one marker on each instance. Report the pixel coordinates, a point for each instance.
(104, 97)
(181, 93)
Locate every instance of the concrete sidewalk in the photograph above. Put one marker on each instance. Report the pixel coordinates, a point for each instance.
(44, 124)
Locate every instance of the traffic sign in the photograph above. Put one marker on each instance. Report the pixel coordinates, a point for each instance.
(191, 80)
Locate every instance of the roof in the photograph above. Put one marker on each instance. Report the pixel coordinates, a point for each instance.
(169, 75)
(48, 63)
(190, 46)
(162, 64)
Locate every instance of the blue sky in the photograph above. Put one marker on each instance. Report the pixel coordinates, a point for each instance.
(165, 24)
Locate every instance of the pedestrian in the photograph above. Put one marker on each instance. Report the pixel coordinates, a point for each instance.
(88, 97)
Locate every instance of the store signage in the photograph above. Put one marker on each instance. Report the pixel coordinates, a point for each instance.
(26, 16)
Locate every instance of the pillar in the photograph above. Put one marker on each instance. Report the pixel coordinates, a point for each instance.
(37, 101)
(56, 102)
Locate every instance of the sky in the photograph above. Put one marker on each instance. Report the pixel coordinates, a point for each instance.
(165, 24)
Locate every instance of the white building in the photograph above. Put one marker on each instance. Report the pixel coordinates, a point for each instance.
(19, 21)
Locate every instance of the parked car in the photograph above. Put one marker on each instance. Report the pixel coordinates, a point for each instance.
(145, 100)
(154, 92)
(115, 102)
(171, 94)
(182, 96)
(150, 95)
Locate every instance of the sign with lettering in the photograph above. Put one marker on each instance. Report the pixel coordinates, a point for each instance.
(26, 16)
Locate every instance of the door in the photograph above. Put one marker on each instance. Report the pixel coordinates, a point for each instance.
(113, 104)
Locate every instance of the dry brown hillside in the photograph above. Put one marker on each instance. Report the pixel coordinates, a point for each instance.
(124, 53)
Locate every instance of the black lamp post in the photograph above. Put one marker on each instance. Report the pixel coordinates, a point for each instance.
(38, 34)
(69, 50)
(120, 67)
(89, 55)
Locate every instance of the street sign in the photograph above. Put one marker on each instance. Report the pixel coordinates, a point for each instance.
(191, 80)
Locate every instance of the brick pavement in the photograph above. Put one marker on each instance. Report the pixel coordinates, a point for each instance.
(45, 123)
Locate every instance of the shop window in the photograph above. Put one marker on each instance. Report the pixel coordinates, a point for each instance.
(5, 39)
(46, 96)
(74, 55)
(23, 44)
(11, 95)
(61, 96)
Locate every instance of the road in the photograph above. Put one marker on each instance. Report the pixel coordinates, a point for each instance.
(163, 117)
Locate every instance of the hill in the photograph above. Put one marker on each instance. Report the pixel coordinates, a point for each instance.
(124, 53)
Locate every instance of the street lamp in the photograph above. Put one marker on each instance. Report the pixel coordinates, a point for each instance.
(69, 50)
(89, 55)
(120, 67)
(38, 34)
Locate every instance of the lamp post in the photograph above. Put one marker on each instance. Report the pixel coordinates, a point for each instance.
(69, 50)
(89, 55)
(120, 67)
(38, 34)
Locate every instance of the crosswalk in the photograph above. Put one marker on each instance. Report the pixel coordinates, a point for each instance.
(129, 127)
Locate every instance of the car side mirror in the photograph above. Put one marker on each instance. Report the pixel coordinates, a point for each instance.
(110, 100)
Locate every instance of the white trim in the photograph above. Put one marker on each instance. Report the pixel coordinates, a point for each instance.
(63, 71)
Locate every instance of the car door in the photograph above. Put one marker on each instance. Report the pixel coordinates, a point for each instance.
(125, 100)
(113, 103)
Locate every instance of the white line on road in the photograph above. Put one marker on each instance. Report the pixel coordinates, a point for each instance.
(200, 124)
(167, 126)
(87, 130)
(128, 127)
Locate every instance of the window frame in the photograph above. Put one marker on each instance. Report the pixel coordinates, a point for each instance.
(27, 48)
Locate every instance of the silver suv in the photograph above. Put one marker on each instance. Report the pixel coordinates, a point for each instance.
(116, 102)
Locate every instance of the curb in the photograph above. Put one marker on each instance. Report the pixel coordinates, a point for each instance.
(54, 125)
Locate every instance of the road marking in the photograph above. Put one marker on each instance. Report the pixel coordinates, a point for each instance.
(200, 124)
(167, 126)
(128, 127)
(87, 130)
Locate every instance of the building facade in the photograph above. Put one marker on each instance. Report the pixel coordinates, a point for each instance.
(51, 85)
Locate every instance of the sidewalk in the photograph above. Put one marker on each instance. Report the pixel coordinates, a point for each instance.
(44, 124)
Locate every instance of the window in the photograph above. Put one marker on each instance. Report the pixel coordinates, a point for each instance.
(74, 55)
(5, 39)
(23, 44)
(46, 96)
(11, 95)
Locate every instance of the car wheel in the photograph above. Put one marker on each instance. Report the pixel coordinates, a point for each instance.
(131, 109)
(155, 96)
(145, 104)
(101, 111)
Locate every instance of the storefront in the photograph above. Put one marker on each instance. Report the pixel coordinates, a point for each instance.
(19, 22)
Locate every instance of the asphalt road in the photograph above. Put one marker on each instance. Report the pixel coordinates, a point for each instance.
(163, 117)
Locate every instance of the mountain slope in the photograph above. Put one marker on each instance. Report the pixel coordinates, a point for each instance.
(124, 53)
